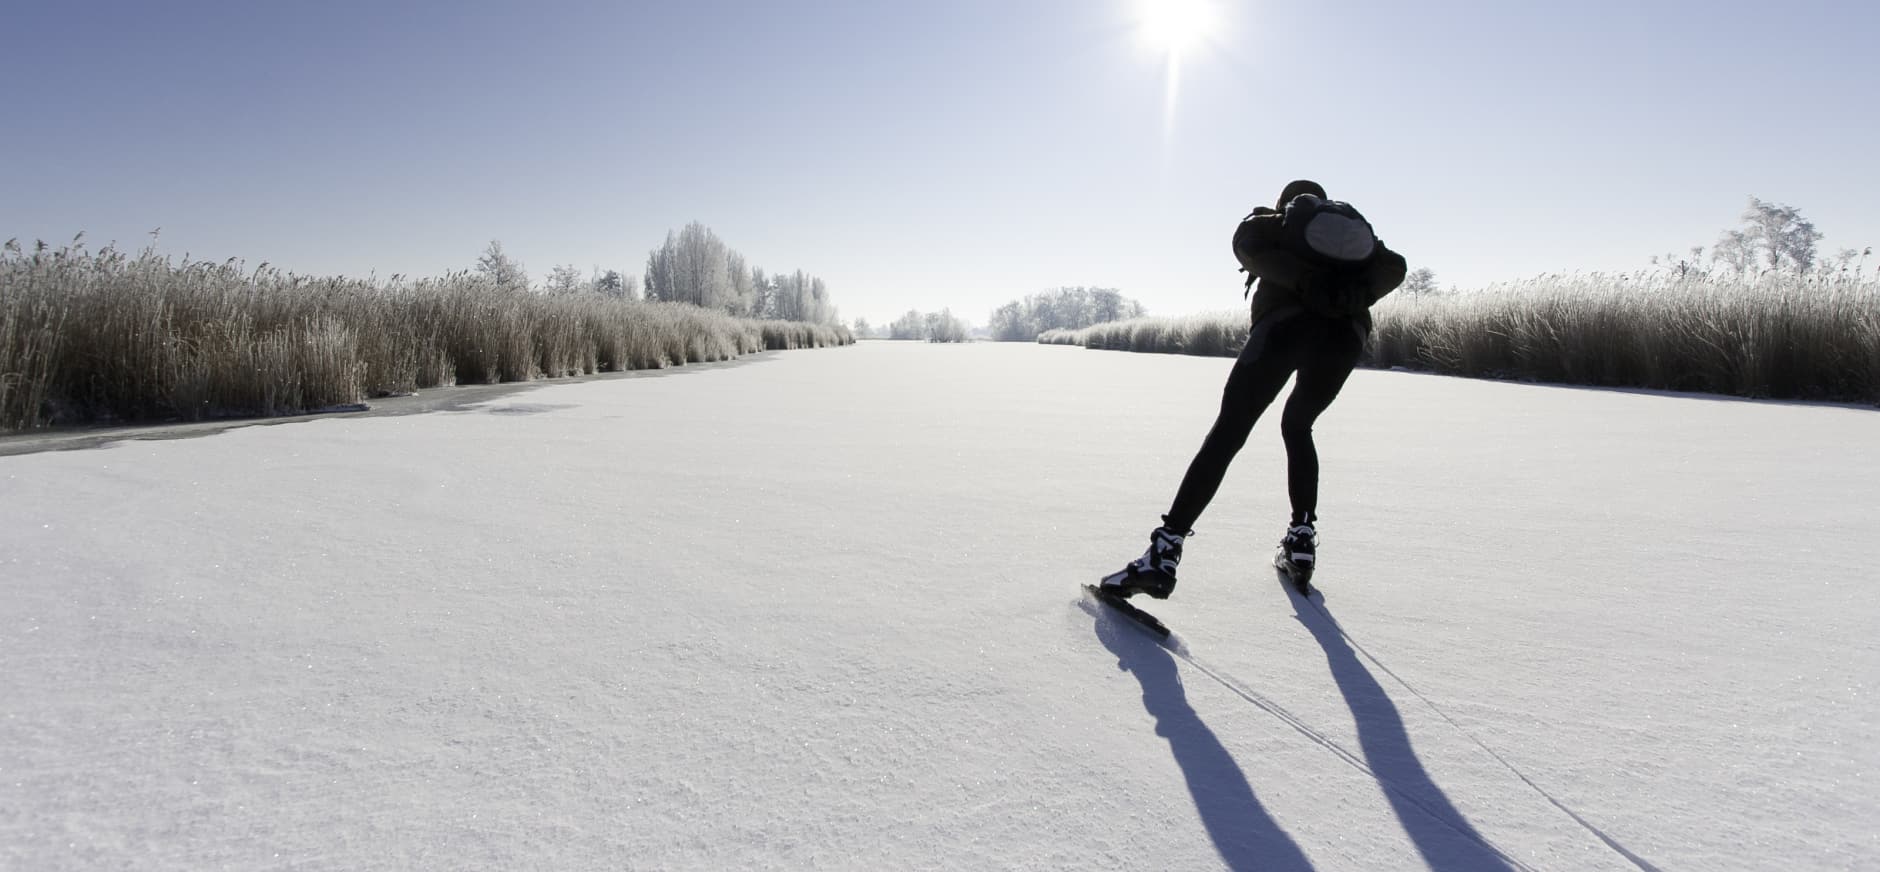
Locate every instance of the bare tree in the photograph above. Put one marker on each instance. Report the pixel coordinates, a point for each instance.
(1420, 281)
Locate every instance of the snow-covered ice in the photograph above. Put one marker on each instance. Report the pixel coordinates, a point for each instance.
(821, 610)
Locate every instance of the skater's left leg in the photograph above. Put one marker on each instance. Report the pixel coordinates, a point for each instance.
(1259, 374)
(1322, 374)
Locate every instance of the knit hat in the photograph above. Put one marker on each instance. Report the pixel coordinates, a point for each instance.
(1301, 186)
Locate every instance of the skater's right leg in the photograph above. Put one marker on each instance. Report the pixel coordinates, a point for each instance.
(1323, 371)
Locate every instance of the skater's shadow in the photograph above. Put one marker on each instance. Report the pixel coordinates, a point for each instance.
(1243, 833)
(1442, 835)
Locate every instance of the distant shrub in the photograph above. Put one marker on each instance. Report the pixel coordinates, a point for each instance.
(104, 336)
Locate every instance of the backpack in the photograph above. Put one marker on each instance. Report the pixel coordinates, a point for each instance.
(1330, 229)
(1331, 232)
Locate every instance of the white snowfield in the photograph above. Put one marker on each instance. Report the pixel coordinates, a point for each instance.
(822, 611)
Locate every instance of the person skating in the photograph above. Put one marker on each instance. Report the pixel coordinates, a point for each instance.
(1319, 268)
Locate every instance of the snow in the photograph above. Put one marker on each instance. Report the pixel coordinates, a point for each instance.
(821, 610)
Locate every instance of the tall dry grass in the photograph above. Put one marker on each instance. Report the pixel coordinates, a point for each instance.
(105, 336)
(1212, 334)
(1772, 336)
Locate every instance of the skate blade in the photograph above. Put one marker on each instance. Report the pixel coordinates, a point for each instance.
(1300, 580)
(1143, 619)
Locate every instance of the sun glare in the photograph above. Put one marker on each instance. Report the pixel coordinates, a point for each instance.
(1176, 29)
(1173, 25)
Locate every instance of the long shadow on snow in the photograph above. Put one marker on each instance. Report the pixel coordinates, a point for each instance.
(1442, 835)
(1244, 834)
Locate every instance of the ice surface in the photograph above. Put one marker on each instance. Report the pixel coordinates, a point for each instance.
(822, 610)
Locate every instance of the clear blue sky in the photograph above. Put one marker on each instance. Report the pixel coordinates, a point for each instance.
(956, 153)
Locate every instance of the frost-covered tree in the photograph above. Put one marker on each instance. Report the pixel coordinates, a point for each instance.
(943, 326)
(799, 296)
(1106, 305)
(503, 270)
(695, 266)
(787, 296)
(1733, 250)
(564, 280)
(1773, 235)
(1007, 323)
(1420, 281)
(743, 301)
(909, 326)
(620, 287)
(821, 309)
(691, 267)
(1066, 308)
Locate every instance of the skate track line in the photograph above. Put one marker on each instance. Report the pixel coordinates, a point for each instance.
(1260, 701)
(1612, 843)
(1174, 645)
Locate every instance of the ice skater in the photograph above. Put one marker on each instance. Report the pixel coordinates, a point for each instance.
(1320, 267)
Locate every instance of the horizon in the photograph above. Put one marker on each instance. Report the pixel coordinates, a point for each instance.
(958, 157)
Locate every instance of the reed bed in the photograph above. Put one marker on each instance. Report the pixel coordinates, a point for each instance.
(104, 336)
(1211, 334)
(1773, 336)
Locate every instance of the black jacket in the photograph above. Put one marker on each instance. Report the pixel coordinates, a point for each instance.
(1269, 254)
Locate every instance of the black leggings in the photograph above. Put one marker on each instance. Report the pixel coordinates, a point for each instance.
(1323, 352)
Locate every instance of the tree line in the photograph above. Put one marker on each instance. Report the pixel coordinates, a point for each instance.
(941, 326)
(692, 266)
(1066, 308)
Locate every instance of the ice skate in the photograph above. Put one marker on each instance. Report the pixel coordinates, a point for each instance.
(1154, 572)
(1298, 555)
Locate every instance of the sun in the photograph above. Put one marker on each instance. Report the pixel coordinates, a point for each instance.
(1174, 25)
